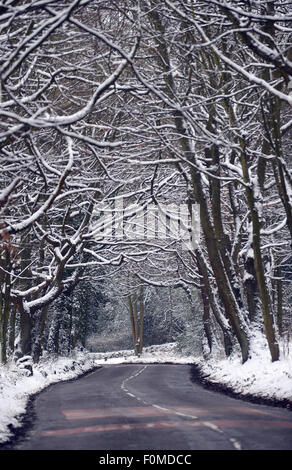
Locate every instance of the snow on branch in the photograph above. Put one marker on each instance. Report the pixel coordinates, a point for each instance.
(43, 209)
(5, 193)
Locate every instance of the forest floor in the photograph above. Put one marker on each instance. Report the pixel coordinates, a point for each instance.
(257, 380)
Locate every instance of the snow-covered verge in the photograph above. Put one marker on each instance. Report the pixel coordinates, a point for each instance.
(258, 377)
(163, 353)
(16, 385)
(255, 378)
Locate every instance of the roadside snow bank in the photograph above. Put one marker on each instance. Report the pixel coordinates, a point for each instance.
(160, 354)
(16, 386)
(258, 376)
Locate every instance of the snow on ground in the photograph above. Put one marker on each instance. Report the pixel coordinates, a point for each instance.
(258, 376)
(151, 355)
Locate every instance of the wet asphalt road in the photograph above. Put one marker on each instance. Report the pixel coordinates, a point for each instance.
(150, 407)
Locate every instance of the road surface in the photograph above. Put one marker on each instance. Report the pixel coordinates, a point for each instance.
(151, 407)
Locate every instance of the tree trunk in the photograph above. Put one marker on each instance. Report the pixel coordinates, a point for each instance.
(40, 339)
(258, 262)
(221, 321)
(12, 324)
(279, 300)
(251, 288)
(5, 302)
(25, 331)
(132, 321)
(142, 313)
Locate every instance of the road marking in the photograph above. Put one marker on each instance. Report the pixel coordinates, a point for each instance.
(160, 407)
(253, 424)
(131, 412)
(235, 443)
(213, 426)
(250, 410)
(164, 425)
(119, 427)
(168, 410)
(173, 410)
(186, 415)
(123, 387)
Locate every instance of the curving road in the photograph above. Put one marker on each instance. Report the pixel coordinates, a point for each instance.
(151, 407)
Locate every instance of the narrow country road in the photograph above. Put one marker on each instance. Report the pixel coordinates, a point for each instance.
(151, 407)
